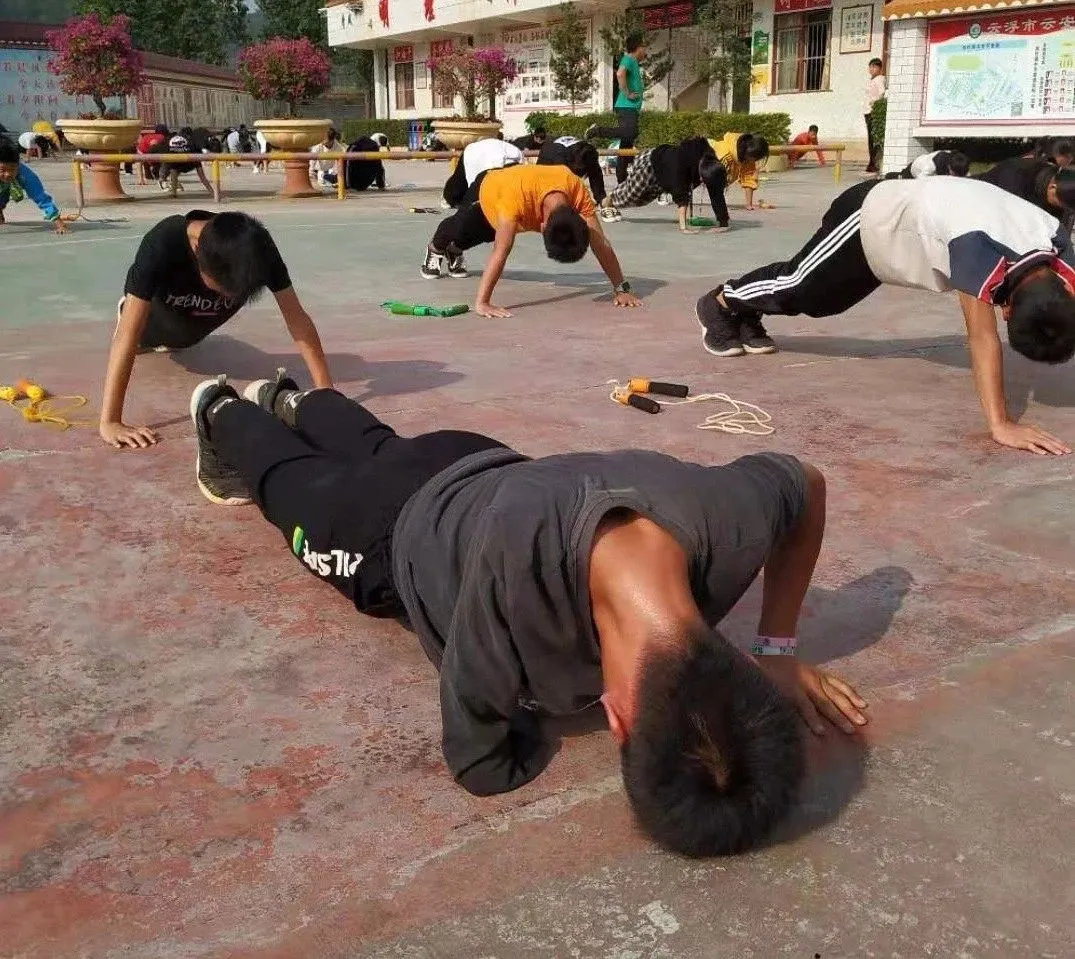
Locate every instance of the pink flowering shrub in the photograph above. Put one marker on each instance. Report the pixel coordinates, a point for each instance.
(470, 74)
(95, 59)
(294, 71)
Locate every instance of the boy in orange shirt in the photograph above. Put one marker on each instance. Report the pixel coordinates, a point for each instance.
(809, 138)
(549, 200)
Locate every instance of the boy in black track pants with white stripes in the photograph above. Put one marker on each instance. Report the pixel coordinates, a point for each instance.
(936, 233)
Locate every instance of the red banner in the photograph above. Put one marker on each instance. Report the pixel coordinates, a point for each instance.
(403, 54)
(1015, 24)
(799, 6)
(441, 48)
(668, 15)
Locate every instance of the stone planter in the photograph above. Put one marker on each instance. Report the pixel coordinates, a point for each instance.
(102, 136)
(456, 134)
(296, 136)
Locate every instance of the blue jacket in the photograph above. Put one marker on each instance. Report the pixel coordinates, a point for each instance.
(28, 183)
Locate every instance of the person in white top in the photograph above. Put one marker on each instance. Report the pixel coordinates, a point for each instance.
(34, 144)
(479, 156)
(875, 89)
(325, 170)
(943, 234)
(937, 163)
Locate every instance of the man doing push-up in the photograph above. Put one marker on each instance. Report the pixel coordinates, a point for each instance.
(539, 586)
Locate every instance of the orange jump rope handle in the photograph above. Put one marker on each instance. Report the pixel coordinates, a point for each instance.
(643, 403)
(655, 386)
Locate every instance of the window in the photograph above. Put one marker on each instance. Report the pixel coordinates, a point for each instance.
(405, 86)
(801, 61)
(440, 102)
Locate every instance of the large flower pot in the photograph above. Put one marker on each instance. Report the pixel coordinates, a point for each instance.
(456, 134)
(296, 136)
(102, 136)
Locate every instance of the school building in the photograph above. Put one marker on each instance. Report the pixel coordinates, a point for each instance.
(177, 92)
(809, 56)
(992, 71)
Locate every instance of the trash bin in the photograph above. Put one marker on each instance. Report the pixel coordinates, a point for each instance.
(413, 139)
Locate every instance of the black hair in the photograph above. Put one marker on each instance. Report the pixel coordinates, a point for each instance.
(9, 151)
(714, 759)
(538, 131)
(958, 163)
(812, 128)
(1041, 324)
(750, 146)
(567, 237)
(876, 62)
(634, 41)
(236, 251)
(1062, 147)
(709, 168)
(333, 134)
(162, 129)
(580, 157)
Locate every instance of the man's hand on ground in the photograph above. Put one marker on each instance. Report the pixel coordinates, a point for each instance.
(1020, 436)
(626, 299)
(818, 695)
(487, 309)
(120, 435)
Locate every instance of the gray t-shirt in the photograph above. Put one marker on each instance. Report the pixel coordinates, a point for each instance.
(950, 233)
(491, 562)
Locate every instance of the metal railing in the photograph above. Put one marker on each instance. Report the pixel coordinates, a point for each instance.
(216, 160)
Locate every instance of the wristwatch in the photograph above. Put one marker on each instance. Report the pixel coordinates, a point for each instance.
(623, 287)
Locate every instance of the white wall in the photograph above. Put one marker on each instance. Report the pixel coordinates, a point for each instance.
(839, 110)
(906, 83)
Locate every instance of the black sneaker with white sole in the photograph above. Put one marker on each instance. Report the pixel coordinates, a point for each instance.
(219, 482)
(591, 132)
(754, 337)
(433, 265)
(457, 267)
(271, 394)
(720, 328)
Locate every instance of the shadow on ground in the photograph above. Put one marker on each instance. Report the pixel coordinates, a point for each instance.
(222, 353)
(1049, 385)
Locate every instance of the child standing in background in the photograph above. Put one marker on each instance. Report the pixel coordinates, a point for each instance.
(875, 90)
(18, 181)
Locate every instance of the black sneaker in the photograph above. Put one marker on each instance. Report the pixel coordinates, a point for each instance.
(457, 267)
(754, 337)
(219, 482)
(720, 328)
(270, 394)
(591, 132)
(433, 265)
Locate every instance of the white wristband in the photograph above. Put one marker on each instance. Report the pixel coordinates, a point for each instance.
(775, 646)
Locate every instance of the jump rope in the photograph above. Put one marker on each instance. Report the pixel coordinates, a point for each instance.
(740, 418)
(36, 405)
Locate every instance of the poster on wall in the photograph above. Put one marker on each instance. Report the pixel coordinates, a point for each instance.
(534, 88)
(856, 29)
(1001, 69)
(28, 92)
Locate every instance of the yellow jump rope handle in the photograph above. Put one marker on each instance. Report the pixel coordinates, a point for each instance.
(643, 403)
(655, 386)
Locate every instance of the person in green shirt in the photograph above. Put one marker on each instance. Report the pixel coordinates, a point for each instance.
(628, 104)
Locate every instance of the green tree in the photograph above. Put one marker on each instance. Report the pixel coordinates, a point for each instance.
(207, 31)
(571, 57)
(293, 19)
(726, 41)
(655, 65)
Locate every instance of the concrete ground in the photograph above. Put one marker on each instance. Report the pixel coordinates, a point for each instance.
(205, 752)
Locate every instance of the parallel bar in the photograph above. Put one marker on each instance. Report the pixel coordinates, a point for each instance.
(341, 173)
(215, 178)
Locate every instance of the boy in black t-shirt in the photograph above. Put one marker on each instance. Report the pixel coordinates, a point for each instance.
(190, 276)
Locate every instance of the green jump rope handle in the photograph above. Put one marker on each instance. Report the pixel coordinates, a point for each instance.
(643, 403)
(408, 309)
(668, 389)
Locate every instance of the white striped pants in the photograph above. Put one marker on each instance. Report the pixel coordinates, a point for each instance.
(826, 277)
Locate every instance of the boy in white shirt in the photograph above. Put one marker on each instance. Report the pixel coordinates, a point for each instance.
(325, 170)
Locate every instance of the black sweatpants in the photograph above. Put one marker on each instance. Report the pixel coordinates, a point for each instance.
(335, 484)
(826, 277)
(467, 227)
(871, 145)
(626, 131)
